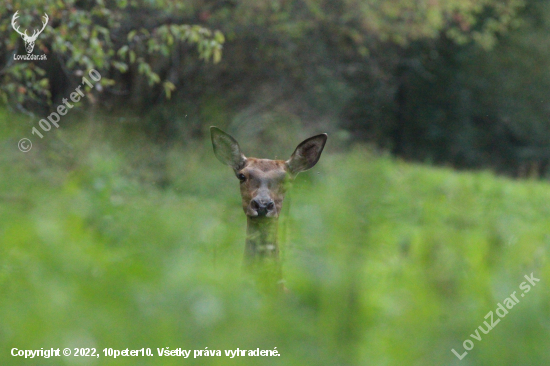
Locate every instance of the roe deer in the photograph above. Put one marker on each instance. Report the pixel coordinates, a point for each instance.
(263, 185)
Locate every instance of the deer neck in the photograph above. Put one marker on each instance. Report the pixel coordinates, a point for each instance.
(261, 239)
(261, 256)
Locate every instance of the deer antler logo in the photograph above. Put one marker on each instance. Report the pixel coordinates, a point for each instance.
(29, 40)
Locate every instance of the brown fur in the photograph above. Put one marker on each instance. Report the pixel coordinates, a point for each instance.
(264, 173)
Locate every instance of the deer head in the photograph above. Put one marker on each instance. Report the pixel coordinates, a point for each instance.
(29, 40)
(263, 181)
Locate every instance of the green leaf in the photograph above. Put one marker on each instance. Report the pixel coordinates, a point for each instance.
(131, 35)
(168, 88)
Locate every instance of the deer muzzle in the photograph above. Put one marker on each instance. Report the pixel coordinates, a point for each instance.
(262, 207)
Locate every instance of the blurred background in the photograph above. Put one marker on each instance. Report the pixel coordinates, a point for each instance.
(120, 229)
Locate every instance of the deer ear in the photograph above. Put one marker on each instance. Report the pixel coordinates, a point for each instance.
(307, 154)
(227, 149)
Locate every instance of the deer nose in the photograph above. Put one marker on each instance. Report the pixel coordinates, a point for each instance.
(262, 206)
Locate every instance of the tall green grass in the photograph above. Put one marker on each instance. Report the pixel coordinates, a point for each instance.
(110, 241)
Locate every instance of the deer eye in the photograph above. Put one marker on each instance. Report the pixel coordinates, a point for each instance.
(241, 177)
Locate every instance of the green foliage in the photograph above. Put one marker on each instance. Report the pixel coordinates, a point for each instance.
(109, 240)
(462, 104)
(338, 64)
(106, 36)
(402, 21)
(113, 36)
(468, 106)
